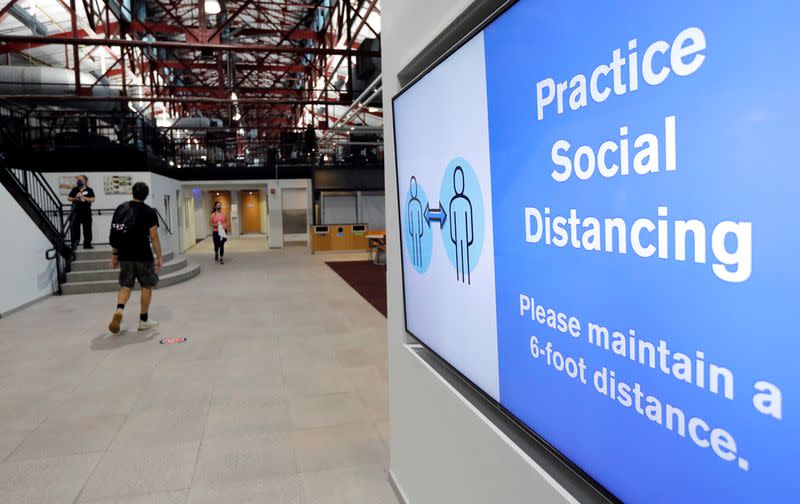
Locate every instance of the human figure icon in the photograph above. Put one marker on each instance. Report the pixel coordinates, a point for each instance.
(416, 219)
(461, 226)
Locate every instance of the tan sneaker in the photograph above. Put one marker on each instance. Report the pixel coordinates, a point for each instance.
(116, 321)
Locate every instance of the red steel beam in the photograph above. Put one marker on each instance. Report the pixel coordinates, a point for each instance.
(166, 99)
(167, 44)
(296, 35)
(199, 65)
(240, 91)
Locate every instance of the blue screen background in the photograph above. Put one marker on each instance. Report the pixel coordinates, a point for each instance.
(737, 141)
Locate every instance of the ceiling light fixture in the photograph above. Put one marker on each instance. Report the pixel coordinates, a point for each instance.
(212, 7)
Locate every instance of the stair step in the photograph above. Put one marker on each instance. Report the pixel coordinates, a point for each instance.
(107, 274)
(103, 264)
(98, 252)
(186, 273)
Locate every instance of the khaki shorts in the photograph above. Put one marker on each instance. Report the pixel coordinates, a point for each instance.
(144, 271)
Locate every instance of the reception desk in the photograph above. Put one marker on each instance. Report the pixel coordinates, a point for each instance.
(339, 237)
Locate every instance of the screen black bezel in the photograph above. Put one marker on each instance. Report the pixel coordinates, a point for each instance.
(603, 494)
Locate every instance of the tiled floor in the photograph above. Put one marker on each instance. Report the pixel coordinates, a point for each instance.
(278, 396)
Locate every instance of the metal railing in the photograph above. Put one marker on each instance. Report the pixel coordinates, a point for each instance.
(54, 218)
(107, 211)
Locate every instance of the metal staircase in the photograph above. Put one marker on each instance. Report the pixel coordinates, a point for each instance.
(39, 201)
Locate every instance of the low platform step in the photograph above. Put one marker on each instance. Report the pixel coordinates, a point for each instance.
(98, 252)
(104, 262)
(108, 274)
(187, 272)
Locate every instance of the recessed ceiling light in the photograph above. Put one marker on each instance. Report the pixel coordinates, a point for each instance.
(212, 7)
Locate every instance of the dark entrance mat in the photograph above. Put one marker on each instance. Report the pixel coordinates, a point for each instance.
(366, 278)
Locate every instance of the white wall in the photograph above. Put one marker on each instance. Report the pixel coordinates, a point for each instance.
(26, 274)
(442, 449)
(262, 203)
(161, 186)
(202, 209)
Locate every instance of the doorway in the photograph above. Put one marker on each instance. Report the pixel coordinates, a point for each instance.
(251, 212)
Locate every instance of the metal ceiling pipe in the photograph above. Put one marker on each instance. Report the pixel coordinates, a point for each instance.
(37, 82)
(20, 40)
(163, 99)
(369, 93)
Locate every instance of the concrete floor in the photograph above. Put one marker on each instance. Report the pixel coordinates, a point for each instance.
(278, 396)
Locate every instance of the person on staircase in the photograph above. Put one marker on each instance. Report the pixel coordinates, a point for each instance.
(218, 225)
(133, 228)
(82, 196)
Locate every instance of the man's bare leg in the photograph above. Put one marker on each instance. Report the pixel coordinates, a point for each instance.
(116, 320)
(147, 296)
(145, 323)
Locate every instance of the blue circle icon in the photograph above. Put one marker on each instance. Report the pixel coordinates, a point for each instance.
(417, 234)
(461, 200)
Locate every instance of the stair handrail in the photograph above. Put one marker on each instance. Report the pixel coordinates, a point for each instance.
(101, 211)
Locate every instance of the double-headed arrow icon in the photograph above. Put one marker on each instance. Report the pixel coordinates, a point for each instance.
(435, 214)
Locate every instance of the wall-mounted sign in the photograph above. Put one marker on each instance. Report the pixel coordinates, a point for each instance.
(66, 183)
(118, 184)
(602, 235)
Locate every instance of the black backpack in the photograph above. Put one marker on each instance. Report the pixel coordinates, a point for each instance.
(121, 227)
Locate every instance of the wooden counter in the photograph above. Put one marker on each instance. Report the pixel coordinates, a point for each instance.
(339, 237)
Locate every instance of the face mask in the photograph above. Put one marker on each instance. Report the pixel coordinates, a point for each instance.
(219, 208)
(80, 183)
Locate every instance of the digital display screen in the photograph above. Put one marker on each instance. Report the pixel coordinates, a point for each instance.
(598, 215)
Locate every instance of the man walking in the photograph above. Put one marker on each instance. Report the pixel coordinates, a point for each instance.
(133, 228)
(82, 197)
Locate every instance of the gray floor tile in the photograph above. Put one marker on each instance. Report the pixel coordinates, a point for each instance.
(339, 446)
(231, 460)
(281, 489)
(362, 484)
(177, 497)
(327, 410)
(128, 473)
(10, 439)
(54, 480)
(180, 422)
(247, 418)
(88, 404)
(59, 437)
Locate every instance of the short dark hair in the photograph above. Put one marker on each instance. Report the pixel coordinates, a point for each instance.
(140, 191)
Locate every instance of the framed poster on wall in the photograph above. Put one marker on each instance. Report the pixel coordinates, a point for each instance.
(118, 184)
(65, 184)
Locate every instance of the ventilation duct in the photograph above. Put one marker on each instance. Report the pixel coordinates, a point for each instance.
(196, 123)
(40, 80)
